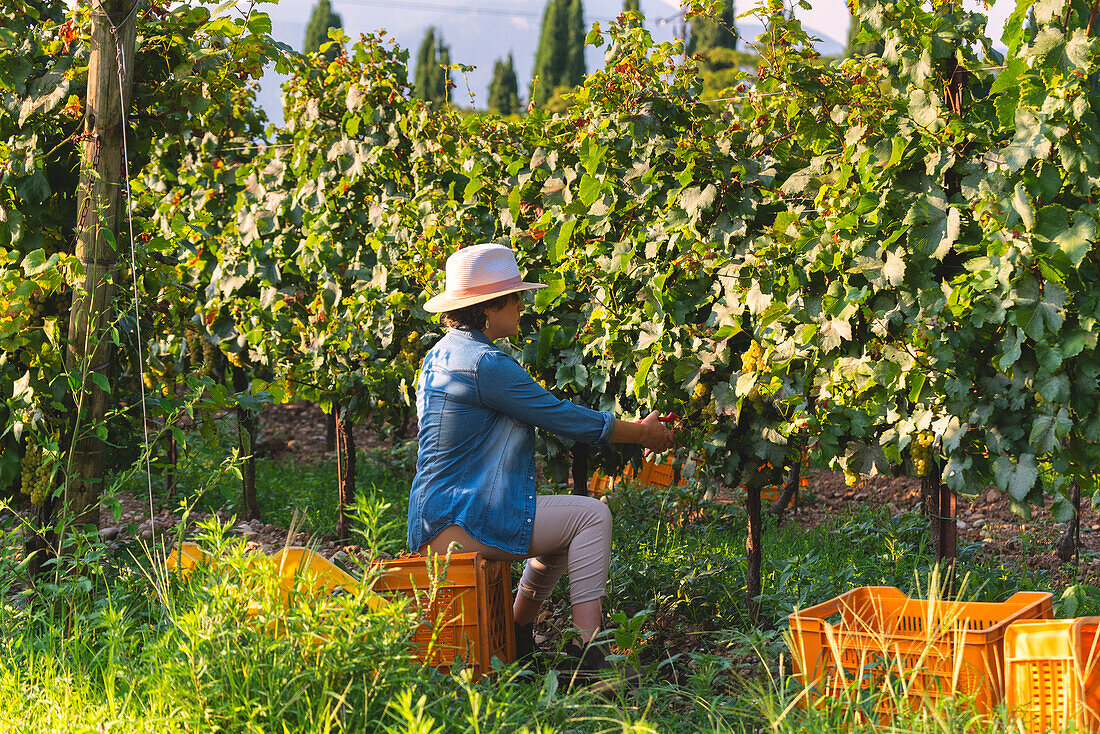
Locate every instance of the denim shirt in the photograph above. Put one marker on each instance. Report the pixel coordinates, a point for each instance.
(478, 410)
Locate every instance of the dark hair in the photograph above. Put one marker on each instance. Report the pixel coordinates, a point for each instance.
(473, 316)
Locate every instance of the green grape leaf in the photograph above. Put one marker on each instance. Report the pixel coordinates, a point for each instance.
(1030, 141)
(1047, 430)
(1024, 206)
(558, 238)
(555, 286)
(1061, 510)
(1016, 478)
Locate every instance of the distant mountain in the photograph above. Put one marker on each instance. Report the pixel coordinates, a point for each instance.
(478, 33)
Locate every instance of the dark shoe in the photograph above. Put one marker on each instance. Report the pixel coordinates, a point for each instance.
(525, 642)
(527, 653)
(587, 667)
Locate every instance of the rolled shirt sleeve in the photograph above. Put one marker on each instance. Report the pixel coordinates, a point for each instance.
(505, 386)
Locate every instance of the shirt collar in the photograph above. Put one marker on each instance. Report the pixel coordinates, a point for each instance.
(475, 334)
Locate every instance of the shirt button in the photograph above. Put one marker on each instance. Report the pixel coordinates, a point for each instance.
(528, 519)
(530, 496)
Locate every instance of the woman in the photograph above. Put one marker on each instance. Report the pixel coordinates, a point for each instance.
(475, 472)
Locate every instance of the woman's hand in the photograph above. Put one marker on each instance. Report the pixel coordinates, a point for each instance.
(657, 437)
(649, 432)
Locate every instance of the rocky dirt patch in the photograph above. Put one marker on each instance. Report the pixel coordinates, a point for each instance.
(985, 520)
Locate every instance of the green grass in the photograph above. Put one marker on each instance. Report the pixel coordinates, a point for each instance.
(120, 647)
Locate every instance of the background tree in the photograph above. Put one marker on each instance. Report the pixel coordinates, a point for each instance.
(319, 23)
(504, 88)
(433, 82)
(865, 48)
(714, 38)
(629, 5)
(712, 32)
(559, 60)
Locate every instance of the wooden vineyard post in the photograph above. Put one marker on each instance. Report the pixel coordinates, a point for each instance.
(345, 471)
(246, 445)
(102, 178)
(580, 470)
(941, 508)
(754, 551)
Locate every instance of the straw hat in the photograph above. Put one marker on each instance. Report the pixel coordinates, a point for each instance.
(478, 273)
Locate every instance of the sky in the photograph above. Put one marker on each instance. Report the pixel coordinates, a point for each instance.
(481, 31)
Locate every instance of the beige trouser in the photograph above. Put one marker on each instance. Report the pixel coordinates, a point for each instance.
(570, 532)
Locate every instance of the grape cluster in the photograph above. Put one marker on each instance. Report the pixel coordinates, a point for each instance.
(37, 309)
(700, 401)
(921, 451)
(194, 345)
(410, 351)
(753, 358)
(165, 376)
(40, 305)
(753, 361)
(851, 478)
(35, 475)
(201, 350)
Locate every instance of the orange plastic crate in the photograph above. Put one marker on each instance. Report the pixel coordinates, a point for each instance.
(932, 648)
(651, 474)
(600, 483)
(658, 475)
(470, 613)
(185, 557)
(1052, 674)
(311, 574)
(772, 493)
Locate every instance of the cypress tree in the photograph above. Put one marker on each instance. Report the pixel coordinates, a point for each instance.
(559, 60)
(708, 33)
(575, 66)
(504, 89)
(431, 81)
(319, 22)
(425, 57)
(632, 5)
(867, 48)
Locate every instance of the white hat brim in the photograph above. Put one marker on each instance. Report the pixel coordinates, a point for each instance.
(445, 301)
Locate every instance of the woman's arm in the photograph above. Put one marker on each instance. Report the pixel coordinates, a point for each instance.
(648, 432)
(505, 386)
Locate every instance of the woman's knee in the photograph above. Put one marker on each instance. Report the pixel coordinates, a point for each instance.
(600, 513)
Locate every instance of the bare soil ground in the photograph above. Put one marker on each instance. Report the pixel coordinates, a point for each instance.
(985, 520)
